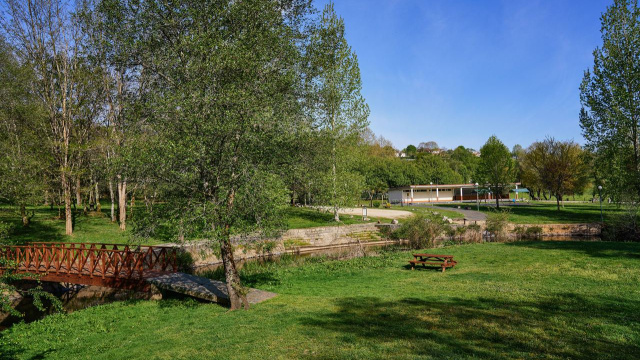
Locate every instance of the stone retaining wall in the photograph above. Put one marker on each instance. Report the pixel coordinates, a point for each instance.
(328, 236)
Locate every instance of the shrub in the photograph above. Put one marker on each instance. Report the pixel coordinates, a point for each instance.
(422, 230)
(533, 232)
(497, 222)
(474, 233)
(624, 226)
(5, 230)
(376, 203)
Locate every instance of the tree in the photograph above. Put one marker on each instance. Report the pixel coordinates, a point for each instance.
(429, 146)
(46, 38)
(557, 166)
(495, 168)
(334, 88)
(220, 113)
(610, 98)
(411, 151)
(24, 161)
(464, 162)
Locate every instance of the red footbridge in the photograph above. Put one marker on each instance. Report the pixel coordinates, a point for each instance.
(108, 265)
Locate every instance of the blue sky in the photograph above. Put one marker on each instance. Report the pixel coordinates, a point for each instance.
(457, 72)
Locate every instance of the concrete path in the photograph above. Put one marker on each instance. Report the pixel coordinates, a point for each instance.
(381, 213)
(202, 288)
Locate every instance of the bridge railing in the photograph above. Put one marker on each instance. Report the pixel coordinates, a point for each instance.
(92, 260)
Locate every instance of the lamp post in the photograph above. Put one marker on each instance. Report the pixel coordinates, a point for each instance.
(600, 196)
(430, 190)
(477, 197)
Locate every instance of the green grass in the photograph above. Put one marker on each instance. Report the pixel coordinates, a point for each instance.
(97, 227)
(300, 218)
(548, 213)
(551, 300)
(46, 226)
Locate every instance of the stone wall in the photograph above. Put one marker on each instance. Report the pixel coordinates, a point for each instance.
(301, 240)
(291, 241)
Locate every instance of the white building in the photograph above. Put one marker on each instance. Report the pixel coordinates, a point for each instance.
(413, 194)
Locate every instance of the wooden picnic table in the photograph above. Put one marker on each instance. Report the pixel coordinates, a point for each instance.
(442, 261)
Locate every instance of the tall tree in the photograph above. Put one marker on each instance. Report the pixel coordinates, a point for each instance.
(46, 37)
(221, 110)
(495, 168)
(610, 97)
(557, 166)
(24, 160)
(334, 88)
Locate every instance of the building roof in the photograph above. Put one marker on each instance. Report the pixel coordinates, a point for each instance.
(440, 186)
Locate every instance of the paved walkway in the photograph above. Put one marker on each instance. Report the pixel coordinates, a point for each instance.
(378, 213)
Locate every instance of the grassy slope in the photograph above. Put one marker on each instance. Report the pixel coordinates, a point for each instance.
(520, 300)
(548, 213)
(299, 218)
(96, 227)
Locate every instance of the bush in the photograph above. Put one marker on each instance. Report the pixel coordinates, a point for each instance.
(624, 226)
(497, 222)
(422, 230)
(474, 233)
(5, 230)
(376, 203)
(533, 232)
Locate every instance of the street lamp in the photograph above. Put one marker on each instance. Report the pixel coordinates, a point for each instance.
(477, 198)
(430, 190)
(600, 196)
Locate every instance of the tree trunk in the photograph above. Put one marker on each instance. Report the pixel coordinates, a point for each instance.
(497, 200)
(78, 195)
(97, 196)
(558, 202)
(113, 202)
(68, 217)
(23, 214)
(237, 297)
(122, 202)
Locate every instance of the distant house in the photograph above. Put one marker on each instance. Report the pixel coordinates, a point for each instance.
(401, 154)
(414, 194)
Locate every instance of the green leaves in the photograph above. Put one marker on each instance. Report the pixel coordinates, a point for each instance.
(610, 98)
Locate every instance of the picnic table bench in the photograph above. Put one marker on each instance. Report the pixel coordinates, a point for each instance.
(442, 261)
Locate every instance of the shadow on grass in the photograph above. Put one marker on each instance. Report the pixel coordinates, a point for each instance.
(563, 326)
(601, 249)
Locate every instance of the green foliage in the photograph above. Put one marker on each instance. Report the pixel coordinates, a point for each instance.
(559, 167)
(376, 203)
(422, 230)
(497, 223)
(609, 94)
(5, 230)
(496, 168)
(624, 226)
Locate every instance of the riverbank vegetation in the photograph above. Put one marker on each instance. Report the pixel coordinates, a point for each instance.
(511, 300)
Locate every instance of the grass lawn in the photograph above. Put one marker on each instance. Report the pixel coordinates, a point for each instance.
(548, 213)
(45, 226)
(96, 227)
(551, 300)
(299, 218)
